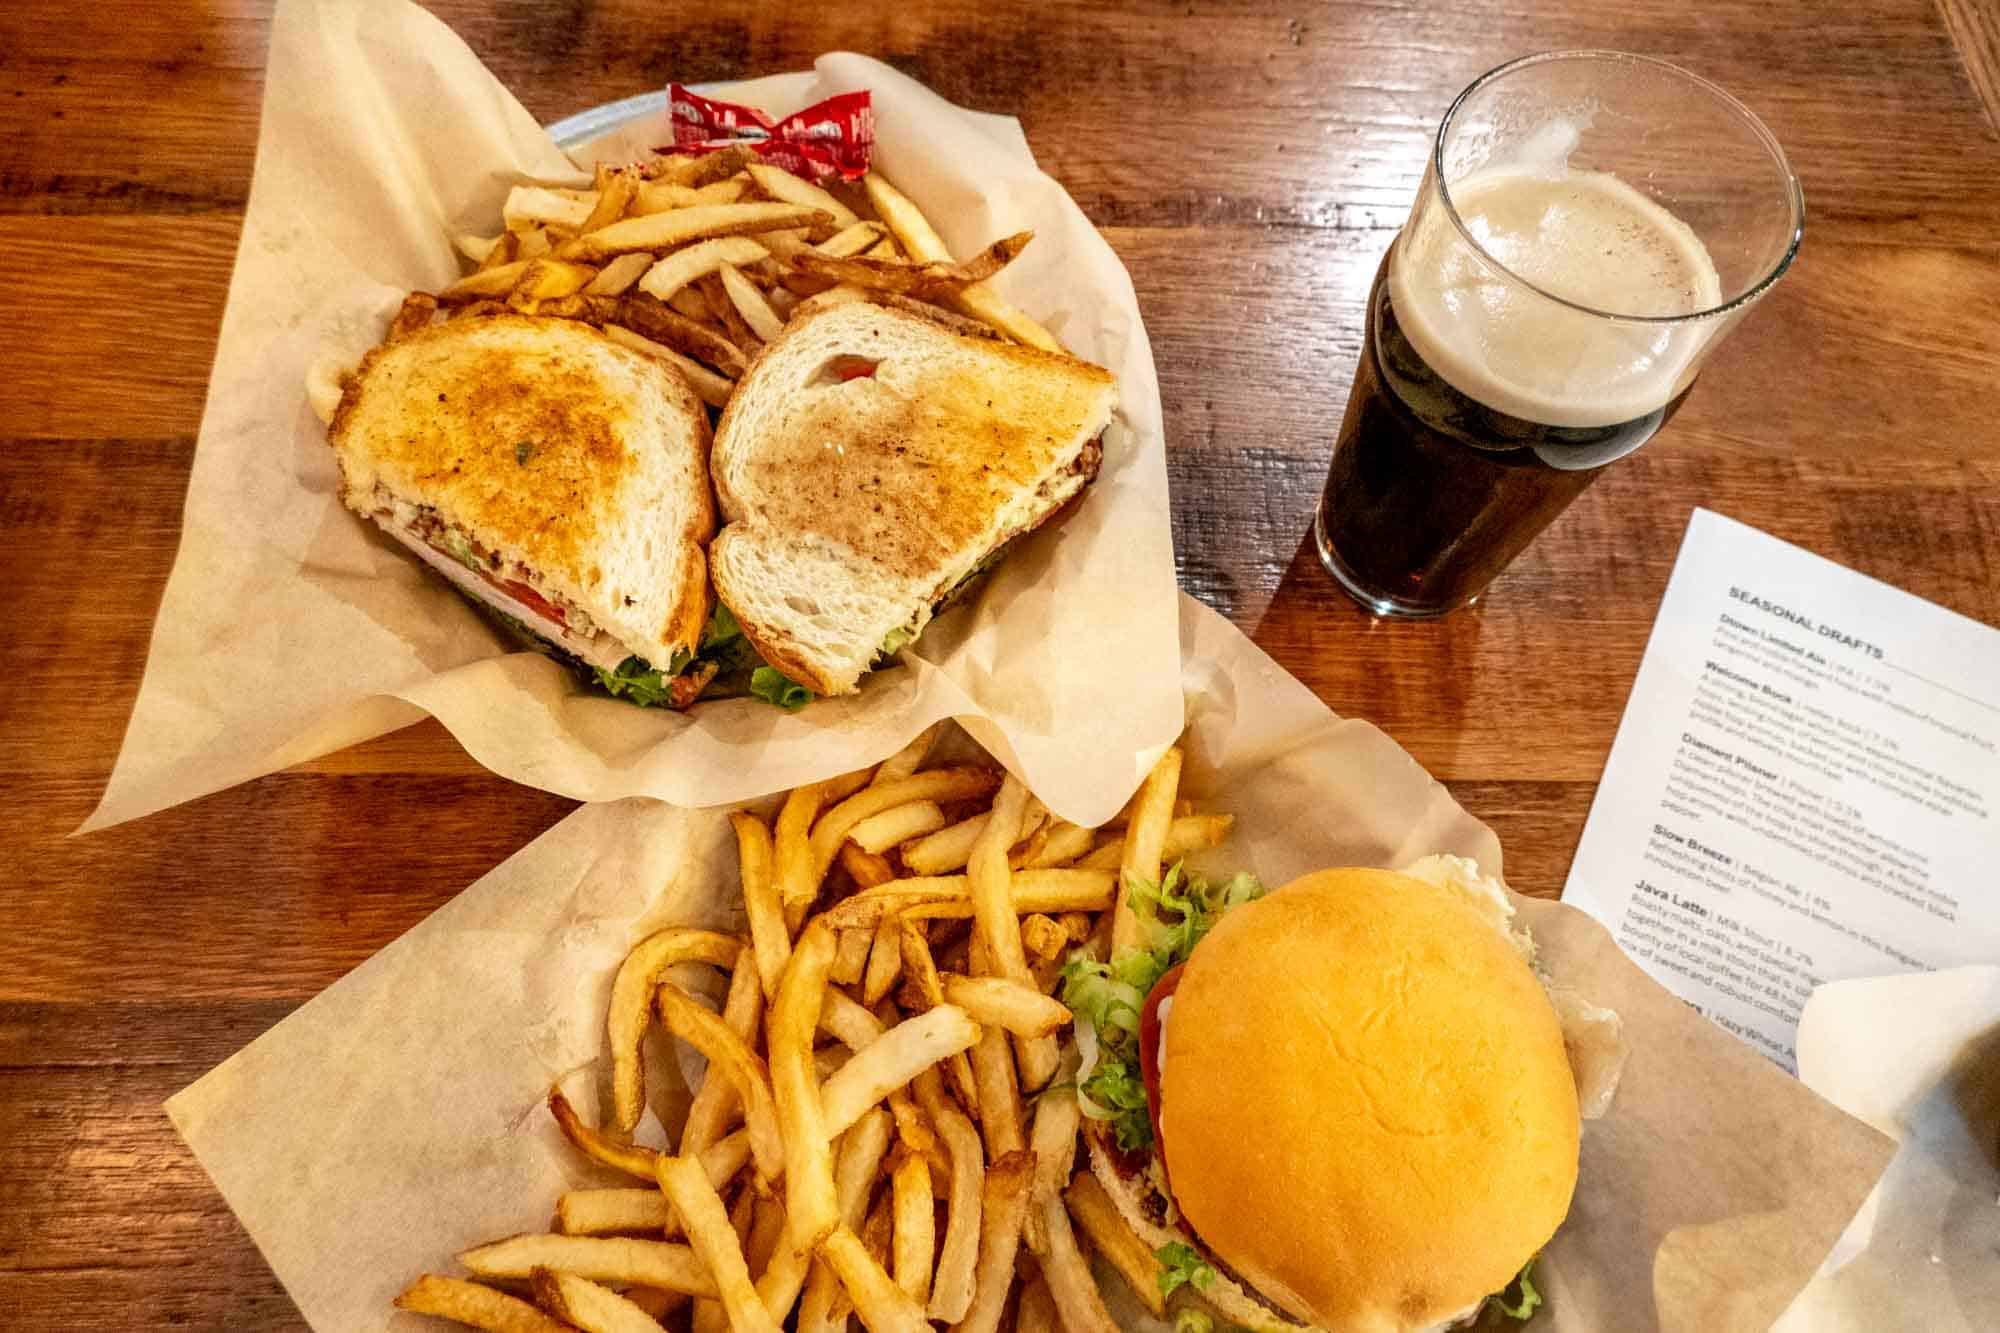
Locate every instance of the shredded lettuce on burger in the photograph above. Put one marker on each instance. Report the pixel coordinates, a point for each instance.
(1109, 997)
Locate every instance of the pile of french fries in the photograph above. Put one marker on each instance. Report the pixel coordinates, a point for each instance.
(701, 261)
(859, 1145)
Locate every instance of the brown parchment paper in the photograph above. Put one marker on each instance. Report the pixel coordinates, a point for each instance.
(398, 1117)
(290, 629)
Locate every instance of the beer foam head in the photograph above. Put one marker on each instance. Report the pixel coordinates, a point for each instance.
(1482, 316)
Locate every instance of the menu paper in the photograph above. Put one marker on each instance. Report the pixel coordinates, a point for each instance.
(1805, 786)
(398, 1118)
(291, 628)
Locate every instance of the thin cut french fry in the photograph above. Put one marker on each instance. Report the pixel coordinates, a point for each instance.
(999, 1094)
(878, 833)
(765, 322)
(723, 1158)
(799, 869)
(998, 929)
(927, 897)
(883, 1306)
(937, 784)
(771, 943)
(632, 1006)
(906, 760)
(930, 989)
(958, 1258)
(921, 240)
(1069, 1277)
(1003, 1205)
(609, 1212)
(1144, 838)
(893, 1059)
(850, 957)
(811, 1209)
(651, 1263)
(682, 267)
(1057, 1118)
(1187, 833)
(708, 386)
(783, 186)
(998, 1002)
(470, 1304)
(664, 231)
(915, 1210)
(730, 1057)
(885, 961)
(1115, 1242)
(618, 276)
(1066, 842)
(715, 1240)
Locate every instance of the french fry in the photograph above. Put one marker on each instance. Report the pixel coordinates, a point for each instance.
(1066, 842)
(893, 1059)
(611, 1212)
(1187, 833)
(658, 1302)
(930, 989)
(1077, 1298)
(417, 312)
(723, 1158)
(697, 171)
(810, 1206)
(495, 282)
(771, 943)
(763, 321)
(548, 279)
(682, 267)
(650, 1263)
(906, 760)
(883, 1306)
(784, 187)
(723, 191)
(712, 1237)
(537, 205)
(663, 196)
(946, 850)
(848, 1022)
(587, 1306)
(1037, 1312)
(862, 1149)
(665, 231)
(475, 1306)
(1058, 1116)
(730, 1057)
(1003, 1205)
(996, 925)
(850, 956)
(958, 1257)
(852, 240)
(617, 277)
(760, 1226)
(915, 1209)
(1145, 835)
(708, 386)
(885, 960)
(779, 1284)
(936, 314)
(899, 824)
(632, 1002)
(866, 868)
(1116, 1243)
(533, 243)
(949, 897)
(997, 1002)
(799, 870)
(1043, 936)
(615, 189)
(912, 278)
(999, 1094)
(657, 320)
(739, 333)
(914, 231)
(937, 784)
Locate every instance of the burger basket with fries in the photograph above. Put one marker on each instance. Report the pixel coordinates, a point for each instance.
(888, 1122)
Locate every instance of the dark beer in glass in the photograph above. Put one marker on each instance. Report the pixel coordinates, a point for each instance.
(1540, 316)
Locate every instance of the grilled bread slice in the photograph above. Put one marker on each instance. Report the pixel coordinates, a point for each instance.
(870, 462)
(547, 471)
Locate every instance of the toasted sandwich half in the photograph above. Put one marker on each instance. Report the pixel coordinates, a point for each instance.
(553, 476)
(871, 463)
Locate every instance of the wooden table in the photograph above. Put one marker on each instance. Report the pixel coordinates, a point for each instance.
(1250, 166)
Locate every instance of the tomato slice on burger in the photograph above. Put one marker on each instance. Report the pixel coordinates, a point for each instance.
(1149, 1041)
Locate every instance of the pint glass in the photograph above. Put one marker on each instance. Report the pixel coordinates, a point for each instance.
(1590, 226)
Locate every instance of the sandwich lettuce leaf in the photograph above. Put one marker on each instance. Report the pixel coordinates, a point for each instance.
(1181, 1265)
(775, 687)
(636, 680)
(1517, 1302)
(1174, 915)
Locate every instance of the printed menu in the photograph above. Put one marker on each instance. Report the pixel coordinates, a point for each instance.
(1803, 788)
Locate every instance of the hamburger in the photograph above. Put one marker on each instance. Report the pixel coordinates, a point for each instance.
(1346, 1106)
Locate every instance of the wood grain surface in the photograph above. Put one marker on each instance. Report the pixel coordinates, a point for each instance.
(1249, 161)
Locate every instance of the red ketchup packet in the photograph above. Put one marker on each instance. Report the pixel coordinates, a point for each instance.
(832, 138)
